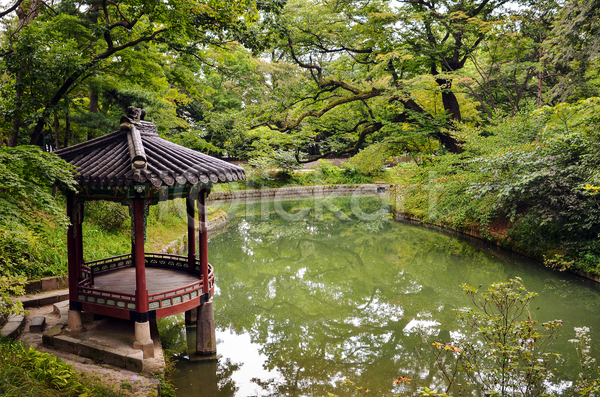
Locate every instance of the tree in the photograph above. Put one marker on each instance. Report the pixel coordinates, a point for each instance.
(509, 67)
(26, 177)
(574, 45)
(72, 41)
(363, 65)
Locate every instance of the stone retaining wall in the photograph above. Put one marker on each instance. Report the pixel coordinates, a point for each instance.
(46, 284)
(297, 192)
(400, 217)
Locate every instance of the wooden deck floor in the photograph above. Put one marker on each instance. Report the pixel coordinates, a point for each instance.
(157, 280)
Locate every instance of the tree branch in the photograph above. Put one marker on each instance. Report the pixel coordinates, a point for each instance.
(361, 138)
(311, 113)
(11, 9)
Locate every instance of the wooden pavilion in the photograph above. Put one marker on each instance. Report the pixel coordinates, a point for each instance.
(136, 168)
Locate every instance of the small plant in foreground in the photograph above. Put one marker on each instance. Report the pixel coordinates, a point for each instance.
(504, 351)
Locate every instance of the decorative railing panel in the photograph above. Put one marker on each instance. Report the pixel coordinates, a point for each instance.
(175, 296)
(106, 298)
(107, 264)
(167, 260)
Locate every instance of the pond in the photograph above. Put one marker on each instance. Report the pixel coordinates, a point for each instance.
(325, 297)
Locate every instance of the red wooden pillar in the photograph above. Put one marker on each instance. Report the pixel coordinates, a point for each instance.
(141, 294)
(71, 254)
(203, 240)
(191, 215)
(79, 237)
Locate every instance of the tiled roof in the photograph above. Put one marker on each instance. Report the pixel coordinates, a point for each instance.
(136, 154)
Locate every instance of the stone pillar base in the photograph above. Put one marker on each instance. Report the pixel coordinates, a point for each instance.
(206, 340)
(143, 341)
(74, 323)
(191, 316)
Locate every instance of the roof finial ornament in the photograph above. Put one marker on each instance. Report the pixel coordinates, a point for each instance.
(136, 114)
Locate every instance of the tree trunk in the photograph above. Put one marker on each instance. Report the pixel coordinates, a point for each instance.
(93, 102)
(452, 108)
(56, 128)
(449, 142)
(449, 100)
(540, 77)
(12, 141)
(67, 129)
(16, 124)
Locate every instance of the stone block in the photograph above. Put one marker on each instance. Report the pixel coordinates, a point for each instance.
(17, 322)
(59, 307)
(30, 302)
(92, 351)
(63, 282)
(33, 286)
(47, 300)
(206, 341)
(134, 362)
(49, 283)
(13, 327)
(37, 324)
(66, 343)
(48, 337)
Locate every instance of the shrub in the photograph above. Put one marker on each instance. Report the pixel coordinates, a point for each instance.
(109, 216)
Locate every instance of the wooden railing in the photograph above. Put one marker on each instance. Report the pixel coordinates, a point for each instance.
(174, 296)
(86, 292)
(104, 265)
(106, 298)
(169, 261)
(87, 276)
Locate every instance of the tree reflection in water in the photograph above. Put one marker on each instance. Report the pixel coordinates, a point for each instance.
(325, 300)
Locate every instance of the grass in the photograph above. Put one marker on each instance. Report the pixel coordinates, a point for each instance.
(27, 372)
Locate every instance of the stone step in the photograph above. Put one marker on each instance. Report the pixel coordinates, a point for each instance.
(13, 326)
(37, 324)
(61, 308)
(45, 298)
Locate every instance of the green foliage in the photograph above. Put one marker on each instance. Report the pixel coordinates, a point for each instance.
(503, 351)
(26, 177)
(27, 211)
(278, 158)
(520, 182)
(513, 360)
(30, 372)
(58, 58)
(573, 48)
(329, 174)
(371, 160)
(107, 215)
(588, 382)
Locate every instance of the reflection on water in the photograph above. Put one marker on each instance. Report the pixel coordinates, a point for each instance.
(303, 306)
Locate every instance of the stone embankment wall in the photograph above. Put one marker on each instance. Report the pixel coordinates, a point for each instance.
(475, 234)
(297, 192)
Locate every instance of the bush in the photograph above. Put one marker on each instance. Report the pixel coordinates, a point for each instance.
(503, 351)
(371, 160)
(328, 173)
(109, 216)
(28, 372)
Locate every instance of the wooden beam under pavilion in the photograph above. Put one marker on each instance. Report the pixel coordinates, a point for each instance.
(141, 294)
(191, 218)
(203, 237)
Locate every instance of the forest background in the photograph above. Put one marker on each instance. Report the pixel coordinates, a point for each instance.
(492, 106)
(484, 114)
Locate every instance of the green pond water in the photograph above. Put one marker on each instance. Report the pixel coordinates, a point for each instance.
(311, 295)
